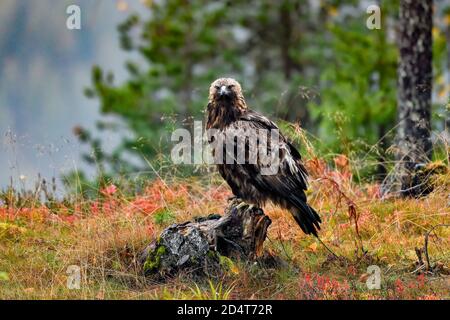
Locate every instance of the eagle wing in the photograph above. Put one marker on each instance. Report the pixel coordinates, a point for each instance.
(285, 187)
(292, 175)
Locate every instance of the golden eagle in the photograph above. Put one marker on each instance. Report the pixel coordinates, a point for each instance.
(228, 114)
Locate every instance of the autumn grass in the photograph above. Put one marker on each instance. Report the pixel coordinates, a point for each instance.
(105, 236)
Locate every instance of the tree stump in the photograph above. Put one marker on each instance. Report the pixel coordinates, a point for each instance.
(199, 246)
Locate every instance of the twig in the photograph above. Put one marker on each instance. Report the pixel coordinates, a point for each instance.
(425, 247)
(329, 250)
(352, 209)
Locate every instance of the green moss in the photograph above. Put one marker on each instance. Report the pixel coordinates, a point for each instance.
(212, 254)
(153, 261)
(164, 217)
(4, 276)
(227, 264)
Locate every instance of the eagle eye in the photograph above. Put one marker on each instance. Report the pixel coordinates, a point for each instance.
(231, 86)
(217, 87)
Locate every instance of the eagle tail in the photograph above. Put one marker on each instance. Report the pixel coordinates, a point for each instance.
(306, 217)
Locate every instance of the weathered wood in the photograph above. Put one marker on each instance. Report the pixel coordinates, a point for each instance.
(199, 245)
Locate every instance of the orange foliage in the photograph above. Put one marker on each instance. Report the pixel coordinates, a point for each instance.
(33, 214)
(317, 287)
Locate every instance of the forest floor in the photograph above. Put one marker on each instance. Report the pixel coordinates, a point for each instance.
(103, 238)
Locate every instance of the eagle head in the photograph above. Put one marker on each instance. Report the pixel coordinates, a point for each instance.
(226, 103)
(226, 90)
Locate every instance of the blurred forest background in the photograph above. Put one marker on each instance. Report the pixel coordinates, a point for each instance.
(310, 62)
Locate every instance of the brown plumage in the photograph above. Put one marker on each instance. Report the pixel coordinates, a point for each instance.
(228, 113)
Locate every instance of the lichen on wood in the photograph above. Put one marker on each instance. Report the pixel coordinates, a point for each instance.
(199, 246)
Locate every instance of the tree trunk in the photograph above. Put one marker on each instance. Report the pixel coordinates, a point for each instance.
(199, 246)
(414, 92)
(447, 107)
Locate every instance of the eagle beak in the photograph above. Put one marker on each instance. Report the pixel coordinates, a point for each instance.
(223, 92)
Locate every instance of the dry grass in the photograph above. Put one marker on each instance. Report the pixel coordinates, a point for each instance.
(104, 238)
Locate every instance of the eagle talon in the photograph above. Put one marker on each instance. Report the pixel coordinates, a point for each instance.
(245, 205)
(236, 200)
(241, 205)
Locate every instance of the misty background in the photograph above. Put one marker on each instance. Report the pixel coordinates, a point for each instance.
(44, 68)
(292, 57)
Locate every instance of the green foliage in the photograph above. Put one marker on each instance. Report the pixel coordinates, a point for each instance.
(358, 100)
(164, 217)
(4, 276)
(183, 47)
(316, 65)
(228, 265)
(213, 292)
